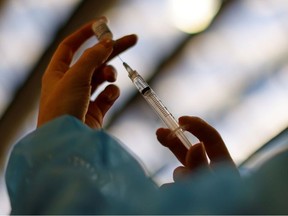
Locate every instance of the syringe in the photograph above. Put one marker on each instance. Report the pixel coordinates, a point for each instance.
(154, 101)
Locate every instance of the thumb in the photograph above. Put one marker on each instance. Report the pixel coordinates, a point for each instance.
(82, 71)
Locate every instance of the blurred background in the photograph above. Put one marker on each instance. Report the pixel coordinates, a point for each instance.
(224, 61)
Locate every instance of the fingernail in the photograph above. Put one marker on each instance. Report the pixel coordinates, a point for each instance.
(107, 43)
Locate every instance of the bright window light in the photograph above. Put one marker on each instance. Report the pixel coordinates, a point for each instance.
(192, 16)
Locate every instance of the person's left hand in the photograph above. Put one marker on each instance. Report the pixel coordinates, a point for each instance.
(211, 145)
(66, 89)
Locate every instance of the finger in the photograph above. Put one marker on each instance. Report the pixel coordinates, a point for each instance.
(81, 72)
(214, 145)
(64, 53)
(105, 73)
(89, 57)
(109, 73)
(123, 44)
(169, 140)
(181, 173)
(196, 157)
(101, 105)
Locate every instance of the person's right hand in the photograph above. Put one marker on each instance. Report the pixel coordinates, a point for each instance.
(211, 144)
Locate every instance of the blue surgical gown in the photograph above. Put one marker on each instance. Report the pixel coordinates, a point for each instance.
(65, 167)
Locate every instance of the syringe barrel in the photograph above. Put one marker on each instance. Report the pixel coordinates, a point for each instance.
(161, 110)
(165, 115)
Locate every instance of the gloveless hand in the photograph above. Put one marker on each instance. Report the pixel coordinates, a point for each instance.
(66, 89)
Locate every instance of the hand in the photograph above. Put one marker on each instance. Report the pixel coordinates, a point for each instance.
(195, 158)
(67, 89)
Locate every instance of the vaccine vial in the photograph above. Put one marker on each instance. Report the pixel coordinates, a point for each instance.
(101, 29)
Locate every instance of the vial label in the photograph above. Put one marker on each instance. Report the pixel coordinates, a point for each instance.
(101, 30)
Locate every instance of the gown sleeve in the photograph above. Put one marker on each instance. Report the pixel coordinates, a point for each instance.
(65, 167)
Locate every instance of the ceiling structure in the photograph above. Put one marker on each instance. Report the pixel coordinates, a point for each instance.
(229, 68)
